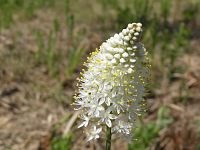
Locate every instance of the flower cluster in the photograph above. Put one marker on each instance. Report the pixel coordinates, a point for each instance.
(111, 90)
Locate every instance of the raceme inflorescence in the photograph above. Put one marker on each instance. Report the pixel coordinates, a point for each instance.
(111, 90)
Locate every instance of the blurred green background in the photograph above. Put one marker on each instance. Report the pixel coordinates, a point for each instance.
(43, 44)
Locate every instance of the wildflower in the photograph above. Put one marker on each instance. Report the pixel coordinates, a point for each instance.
(123, 127)
(94, 133)
(111, 90)
(85, 122)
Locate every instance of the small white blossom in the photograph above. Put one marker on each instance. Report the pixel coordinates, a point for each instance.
(109, 56)
(85, 122)
(124, 31)
(136, 33)
(134, 47)
(107, 117)
(94, 133)
(117, 56)
(130, 70)
(138, 29)
(120, 50)
(122, 60)
(134, 38)
(125, 54)
(113, 61)
(131, 41)
(95, 108)
(133, 54)
(132, 31)
(126, 65)
(139, 24)
(123, 127)
(130, 26)
(126, 38)
(129, 48)
(111, 90)
(132, 60)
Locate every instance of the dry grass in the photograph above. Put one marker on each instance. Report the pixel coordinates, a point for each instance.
(33, 101)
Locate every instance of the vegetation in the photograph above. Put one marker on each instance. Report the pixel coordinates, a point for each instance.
(43, 44)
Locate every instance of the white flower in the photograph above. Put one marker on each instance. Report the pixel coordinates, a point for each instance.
(130, 70)
(107, 117)
(85, 122)
(125, 54)
(95, 108)
(122, 60)
(123, 127)
(117, 56)
(94, 133)
(111, 90)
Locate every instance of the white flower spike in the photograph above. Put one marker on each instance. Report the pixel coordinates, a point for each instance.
(111, 90)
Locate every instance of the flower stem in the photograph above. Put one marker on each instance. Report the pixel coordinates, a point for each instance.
(108, 138)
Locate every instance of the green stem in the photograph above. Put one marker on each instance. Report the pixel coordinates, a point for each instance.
(108, 138)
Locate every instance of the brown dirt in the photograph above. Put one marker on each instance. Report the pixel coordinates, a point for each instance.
(31, 101)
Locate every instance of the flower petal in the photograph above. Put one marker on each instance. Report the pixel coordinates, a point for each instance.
(82, 124)
(108, 123)
(111, 116)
